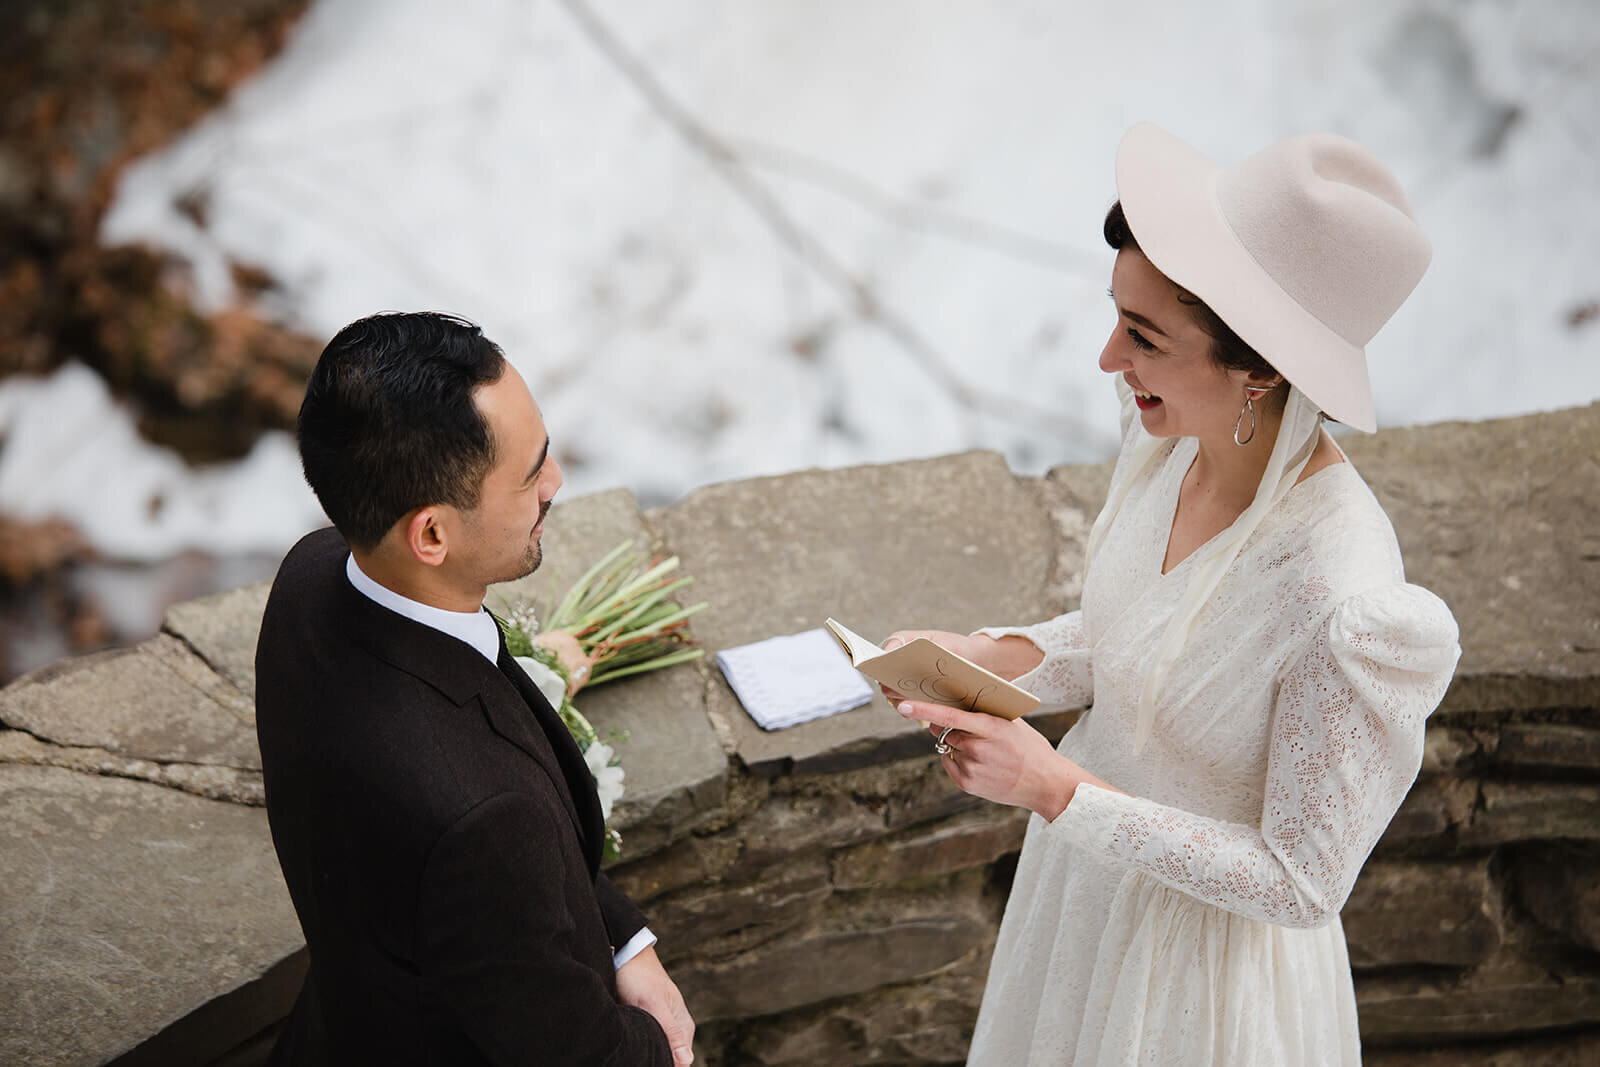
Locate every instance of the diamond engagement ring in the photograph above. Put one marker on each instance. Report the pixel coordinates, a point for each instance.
(940, 746)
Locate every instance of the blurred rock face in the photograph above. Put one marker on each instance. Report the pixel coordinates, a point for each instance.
(86, 86)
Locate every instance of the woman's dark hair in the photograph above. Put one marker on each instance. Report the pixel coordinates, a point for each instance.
(389, 425)
(1227, 347)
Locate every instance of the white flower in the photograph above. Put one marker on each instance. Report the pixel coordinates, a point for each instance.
(607, 779)
(547, 681)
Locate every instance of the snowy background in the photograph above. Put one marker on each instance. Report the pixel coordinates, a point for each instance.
(723, 238)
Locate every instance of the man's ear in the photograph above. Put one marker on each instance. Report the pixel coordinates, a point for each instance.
(426, 538)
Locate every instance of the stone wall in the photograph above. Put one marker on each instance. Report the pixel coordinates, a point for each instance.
(822, 893)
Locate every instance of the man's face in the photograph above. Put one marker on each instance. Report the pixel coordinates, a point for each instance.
(502, 533)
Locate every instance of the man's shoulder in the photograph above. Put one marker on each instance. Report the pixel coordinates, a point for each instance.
(317, 549)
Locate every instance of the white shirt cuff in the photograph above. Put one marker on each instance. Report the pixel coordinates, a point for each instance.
(637, 944)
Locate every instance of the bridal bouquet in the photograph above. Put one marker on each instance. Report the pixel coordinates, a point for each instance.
(617, 620)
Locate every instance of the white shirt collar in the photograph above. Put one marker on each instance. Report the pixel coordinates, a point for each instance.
(476, 628)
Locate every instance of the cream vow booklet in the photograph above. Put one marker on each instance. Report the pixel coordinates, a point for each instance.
(923, 670)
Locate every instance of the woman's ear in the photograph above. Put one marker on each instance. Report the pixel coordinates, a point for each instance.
(1261, 384)
(426, 538)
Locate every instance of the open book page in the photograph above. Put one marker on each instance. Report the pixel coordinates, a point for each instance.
(923, 670)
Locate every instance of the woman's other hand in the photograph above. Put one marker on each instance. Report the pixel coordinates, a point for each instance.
(1006, 761)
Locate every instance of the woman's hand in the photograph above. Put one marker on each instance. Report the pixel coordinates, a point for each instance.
(1006, 761)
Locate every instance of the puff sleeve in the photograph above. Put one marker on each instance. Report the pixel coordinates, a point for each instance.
(1346, 744)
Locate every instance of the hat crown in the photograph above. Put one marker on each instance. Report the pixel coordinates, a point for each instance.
(1326, 221)
(1304, 249)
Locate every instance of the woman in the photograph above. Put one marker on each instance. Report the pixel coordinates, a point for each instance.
(1259, 670)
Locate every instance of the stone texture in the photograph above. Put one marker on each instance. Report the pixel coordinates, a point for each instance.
(931, 795)
(124, 909)
(204, 780)
(676, 770)
(831, 962)
(970, 545)
(1433, 808)
(789, 824)
(222, 630)
(1554, 746)
(787, 896)
(1559, 885)
(969, 840)
(928, 1022)
(1527, 811)
(156, 701)
(1504, 997)
(1073, 495)
(690, 861)
(1508, 539)
(1423, 913)
(1448, 749)
(1564, 1050)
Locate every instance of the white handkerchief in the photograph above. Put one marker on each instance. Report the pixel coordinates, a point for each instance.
(783, 681)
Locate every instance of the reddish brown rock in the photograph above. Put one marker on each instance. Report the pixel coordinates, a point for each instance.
(85, 87)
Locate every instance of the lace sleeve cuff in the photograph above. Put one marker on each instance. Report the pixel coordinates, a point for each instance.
(1064, 678)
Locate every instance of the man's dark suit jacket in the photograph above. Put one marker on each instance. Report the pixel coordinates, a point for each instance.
(441, 838)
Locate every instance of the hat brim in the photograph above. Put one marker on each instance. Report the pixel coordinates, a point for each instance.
(1169, 195)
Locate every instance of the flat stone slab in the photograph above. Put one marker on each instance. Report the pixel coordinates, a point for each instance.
(673, 762)
(953, 544)
(124, 908)
(155, 701)
(1423, 913)
(1498, 518)
(209, 780)
(1502, 997)
(928, 934)
(222, 629)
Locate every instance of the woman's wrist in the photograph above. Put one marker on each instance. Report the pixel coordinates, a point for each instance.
(1010, 656)
(1059, 788)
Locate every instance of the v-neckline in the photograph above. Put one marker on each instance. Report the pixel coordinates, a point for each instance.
(1172, 514)
(1177, 491)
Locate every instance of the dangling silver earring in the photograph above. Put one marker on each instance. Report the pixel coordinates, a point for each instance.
(1249, 409)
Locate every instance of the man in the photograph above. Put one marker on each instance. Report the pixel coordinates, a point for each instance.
(436, 824)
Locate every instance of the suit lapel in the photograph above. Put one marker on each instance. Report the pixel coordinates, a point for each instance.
(583, 802)
(511, 703)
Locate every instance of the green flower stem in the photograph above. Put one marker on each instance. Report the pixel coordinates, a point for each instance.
(564, 611)
(652, 665)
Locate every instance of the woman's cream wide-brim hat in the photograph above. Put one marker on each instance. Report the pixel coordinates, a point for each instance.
(1304, 249)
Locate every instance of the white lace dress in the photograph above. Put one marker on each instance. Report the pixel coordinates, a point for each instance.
(1196, 921)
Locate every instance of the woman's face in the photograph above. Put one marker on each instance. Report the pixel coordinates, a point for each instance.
(1165, 357)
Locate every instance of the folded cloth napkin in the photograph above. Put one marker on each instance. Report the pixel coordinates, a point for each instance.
(783, 681)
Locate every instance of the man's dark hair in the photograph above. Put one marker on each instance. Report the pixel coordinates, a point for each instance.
(388, 423)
